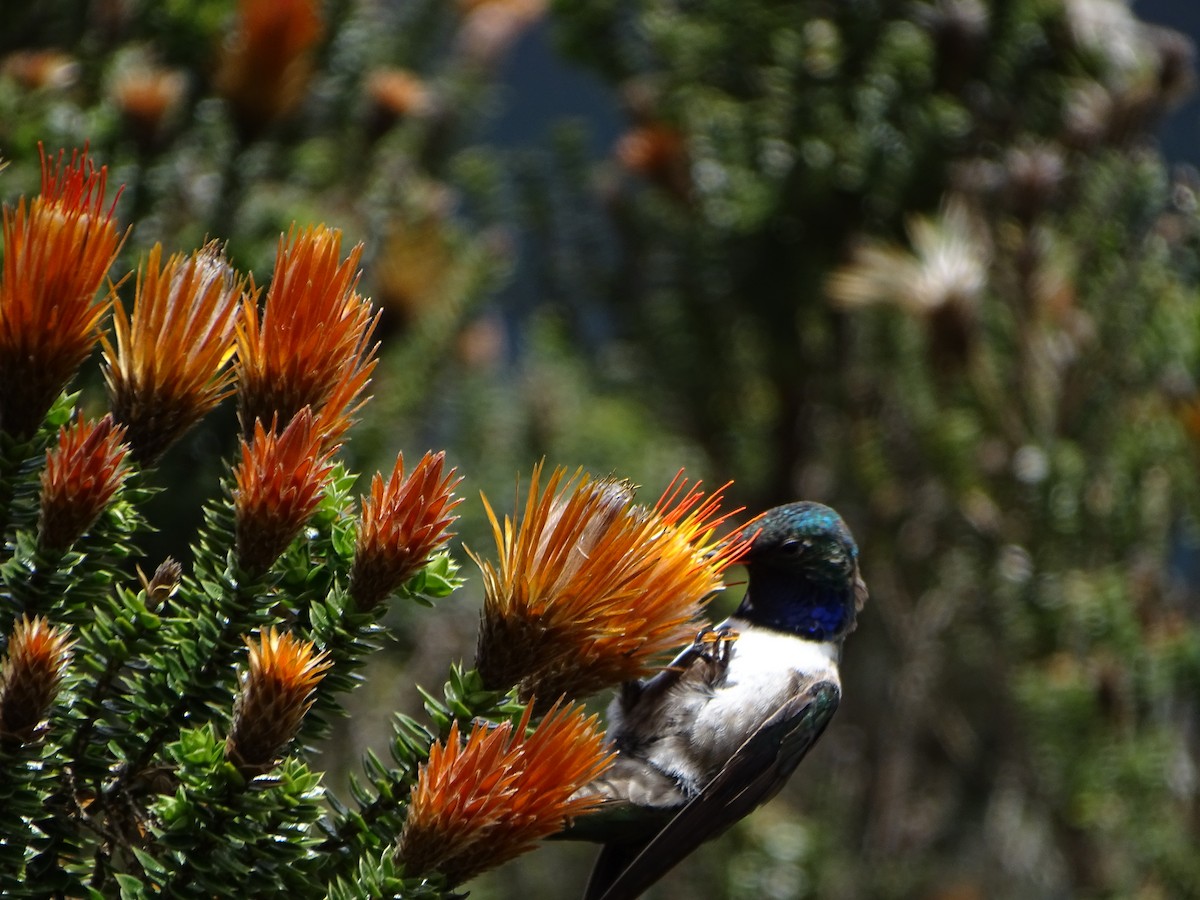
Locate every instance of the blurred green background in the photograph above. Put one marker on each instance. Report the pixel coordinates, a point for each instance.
(923, 261)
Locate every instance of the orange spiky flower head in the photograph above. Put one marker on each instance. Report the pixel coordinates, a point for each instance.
(170, 364)
(402, 523)
(481, 802)
(590, 588)
(312, 345)
(277, 487)
(267, 65)
(82, 473)
(277, 690)
(57, 253)
(30, 677)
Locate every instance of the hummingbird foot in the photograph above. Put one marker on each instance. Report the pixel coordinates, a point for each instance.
(715, 644)
(712, 648)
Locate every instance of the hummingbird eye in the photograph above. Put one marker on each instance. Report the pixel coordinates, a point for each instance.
(795, 546)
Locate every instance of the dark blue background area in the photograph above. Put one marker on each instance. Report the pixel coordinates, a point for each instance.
(1180, 136)
(542, 88)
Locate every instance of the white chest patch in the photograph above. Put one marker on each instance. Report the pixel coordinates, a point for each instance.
(766, 670)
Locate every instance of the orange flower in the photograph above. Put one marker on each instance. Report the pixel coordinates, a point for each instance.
(401, 525)
(37, 70)
(29, 677)
(514, 7)
(657, 152)
(81, 474)
(591, 589)
(415, 266)
(168, 368)
(490, 28)
(312, 345)
(57, 252)
(277, 690)
(277, 487)
(148, 97)
(266, 68)
(394, 96)
(481, 803)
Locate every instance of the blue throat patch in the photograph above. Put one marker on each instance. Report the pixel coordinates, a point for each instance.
(816, 610)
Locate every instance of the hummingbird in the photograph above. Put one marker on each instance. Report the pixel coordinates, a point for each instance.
(717, 732)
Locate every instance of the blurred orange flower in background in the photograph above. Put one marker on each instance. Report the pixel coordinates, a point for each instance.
(266, 67)
(149, 97)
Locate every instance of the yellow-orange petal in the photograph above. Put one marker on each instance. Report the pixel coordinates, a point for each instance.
(481, 802)
(402, 523)
(278, 486)
(590, 589)
(32, 671)
(82, 473)
(277, 690)
(170, 363)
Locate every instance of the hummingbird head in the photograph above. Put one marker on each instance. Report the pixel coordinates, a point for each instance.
(803, 573)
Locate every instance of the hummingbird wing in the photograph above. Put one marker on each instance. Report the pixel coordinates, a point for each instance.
(753, 775)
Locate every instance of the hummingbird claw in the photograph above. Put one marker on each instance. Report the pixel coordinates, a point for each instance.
(726, 637)
(714, 643)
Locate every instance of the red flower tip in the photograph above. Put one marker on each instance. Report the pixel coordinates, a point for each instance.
(57, 251)
(82, 473)
(277, 487)
(403, 522)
